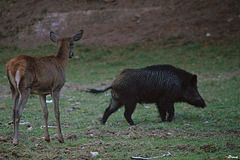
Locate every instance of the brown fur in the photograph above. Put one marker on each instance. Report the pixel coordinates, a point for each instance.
(42, 76)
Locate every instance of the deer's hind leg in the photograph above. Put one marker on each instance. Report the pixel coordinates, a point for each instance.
(17, 111)
(15, 93)
(15, 98)
(45, 114)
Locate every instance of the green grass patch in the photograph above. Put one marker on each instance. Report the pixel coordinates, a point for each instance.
(209, 133)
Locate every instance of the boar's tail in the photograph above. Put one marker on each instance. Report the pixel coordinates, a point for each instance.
(99, 91)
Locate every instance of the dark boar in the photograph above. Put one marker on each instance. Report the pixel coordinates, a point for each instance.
(160, 84)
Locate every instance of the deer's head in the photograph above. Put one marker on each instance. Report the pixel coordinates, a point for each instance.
(77, 36)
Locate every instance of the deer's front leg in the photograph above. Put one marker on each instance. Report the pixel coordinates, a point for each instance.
(45, 114)
(55, 96)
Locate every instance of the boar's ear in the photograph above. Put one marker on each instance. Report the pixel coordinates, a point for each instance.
(194, 80)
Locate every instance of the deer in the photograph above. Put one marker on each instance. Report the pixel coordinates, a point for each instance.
(41, 76)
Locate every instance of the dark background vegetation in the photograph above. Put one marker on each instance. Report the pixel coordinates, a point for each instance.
(114, 22)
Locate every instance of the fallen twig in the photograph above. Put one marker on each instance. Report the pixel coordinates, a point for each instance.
(164, 155)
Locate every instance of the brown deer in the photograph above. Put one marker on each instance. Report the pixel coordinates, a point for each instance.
(42, 76)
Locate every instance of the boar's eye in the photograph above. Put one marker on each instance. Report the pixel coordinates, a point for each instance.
(194, 80)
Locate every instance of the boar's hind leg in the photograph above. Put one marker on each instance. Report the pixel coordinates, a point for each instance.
(129, 109)
(113, 106)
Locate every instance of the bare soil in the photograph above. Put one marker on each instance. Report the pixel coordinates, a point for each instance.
(115, 22)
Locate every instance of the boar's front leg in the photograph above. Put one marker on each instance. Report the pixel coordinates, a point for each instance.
(165, 108)
(162, 112)
(170, 111)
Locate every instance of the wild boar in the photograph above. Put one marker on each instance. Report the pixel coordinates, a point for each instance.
(160, 84)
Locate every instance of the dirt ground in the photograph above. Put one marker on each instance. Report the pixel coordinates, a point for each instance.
(112, 22)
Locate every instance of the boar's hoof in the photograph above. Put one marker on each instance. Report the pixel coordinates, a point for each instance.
(170, 119)
(102, 122)
(131, 124)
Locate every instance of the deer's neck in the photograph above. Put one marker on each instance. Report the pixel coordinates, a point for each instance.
(63, 53)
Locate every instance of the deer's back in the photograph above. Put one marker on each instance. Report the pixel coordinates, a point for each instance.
(42, 75)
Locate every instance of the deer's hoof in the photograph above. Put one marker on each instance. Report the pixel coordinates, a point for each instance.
(60, 140)
(15, 142)
(47, 139)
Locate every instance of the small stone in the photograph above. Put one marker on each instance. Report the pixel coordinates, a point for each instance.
(94, 153)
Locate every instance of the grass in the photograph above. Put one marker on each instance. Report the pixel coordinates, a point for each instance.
(209, 133)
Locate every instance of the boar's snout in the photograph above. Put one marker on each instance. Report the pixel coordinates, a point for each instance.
(194, 98)
(201, 103)
(198, 103)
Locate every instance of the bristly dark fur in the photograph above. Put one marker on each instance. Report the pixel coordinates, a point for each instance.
(163, 85)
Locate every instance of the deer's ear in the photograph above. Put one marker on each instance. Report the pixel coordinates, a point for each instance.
(53, 36)
(77, 36)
